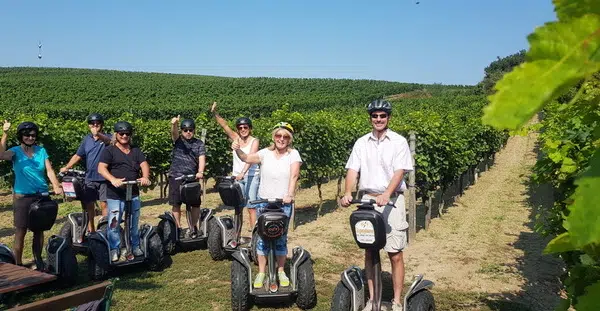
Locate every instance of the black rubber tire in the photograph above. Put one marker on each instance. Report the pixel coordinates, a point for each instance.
(167, 231)
(156, 253)
(253, 254)
(66, 231)
(215, 241)
(342, 298)
(68, 270)
(97, 261)
(421, 301)
(241, 300)
(307, 295)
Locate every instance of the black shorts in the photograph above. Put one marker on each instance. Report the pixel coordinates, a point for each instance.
(94, 191)
(174, 192)
(21, 207)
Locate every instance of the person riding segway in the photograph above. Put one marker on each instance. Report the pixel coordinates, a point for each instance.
(280, 168)
(33, 207)
(121, 164)
(187, 167)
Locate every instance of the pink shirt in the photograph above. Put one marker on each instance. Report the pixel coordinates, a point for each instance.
(378, 159)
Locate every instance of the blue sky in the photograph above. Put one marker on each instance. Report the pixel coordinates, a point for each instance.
(435, 41)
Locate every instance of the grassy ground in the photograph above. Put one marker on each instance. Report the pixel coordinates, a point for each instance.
(482, 254)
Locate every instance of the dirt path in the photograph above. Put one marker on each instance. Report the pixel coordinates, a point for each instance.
(484, 244)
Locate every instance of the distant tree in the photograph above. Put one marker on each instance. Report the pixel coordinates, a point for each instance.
(496, 70)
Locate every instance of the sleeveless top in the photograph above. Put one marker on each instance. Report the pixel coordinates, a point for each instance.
(238, 164)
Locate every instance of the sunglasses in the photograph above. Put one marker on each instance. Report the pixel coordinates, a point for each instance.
(187, 130)
(243, 127)
(379, 116)
(95, 123)
(30, 135)
(284, 136)
(124, 134)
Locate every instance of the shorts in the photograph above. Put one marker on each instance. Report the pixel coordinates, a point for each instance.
(94, 191)
(175, 192)
(396, 224)
(21, 207)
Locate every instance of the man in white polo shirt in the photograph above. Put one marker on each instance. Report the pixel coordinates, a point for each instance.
(382, 157)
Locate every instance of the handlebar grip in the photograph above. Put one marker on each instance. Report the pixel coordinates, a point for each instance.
(370, 201)
(266, 201)
(185, 176)
(131, 182)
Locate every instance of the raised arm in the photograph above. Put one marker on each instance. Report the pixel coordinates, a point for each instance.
(175, 128)
(4, 138)
(232, 135)
(252, 158)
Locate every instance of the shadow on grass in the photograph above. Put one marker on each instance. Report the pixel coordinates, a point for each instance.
(310, 213)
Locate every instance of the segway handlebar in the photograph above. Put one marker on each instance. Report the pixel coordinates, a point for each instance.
(47, 193)
(226, 177)
(185, 177)
(371, 202)
(279, 201)
(131, 182)
(71, 171)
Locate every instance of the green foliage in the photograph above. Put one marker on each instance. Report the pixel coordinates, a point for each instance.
(498, 68)
(562, 54)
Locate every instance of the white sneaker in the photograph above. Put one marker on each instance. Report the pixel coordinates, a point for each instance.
(396, 306)
(137, 252)
(368, 306)
(114, 255)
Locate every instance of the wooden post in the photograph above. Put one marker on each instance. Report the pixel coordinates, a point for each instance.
(428, 206)
(412, 193)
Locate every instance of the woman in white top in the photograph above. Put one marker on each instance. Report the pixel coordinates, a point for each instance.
(280, 168)
(246, 174)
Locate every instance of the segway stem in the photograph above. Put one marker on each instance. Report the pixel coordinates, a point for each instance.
(377, 284)
(128, 216)
(272, 262)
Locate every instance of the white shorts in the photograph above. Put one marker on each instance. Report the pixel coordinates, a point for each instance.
(396, 224)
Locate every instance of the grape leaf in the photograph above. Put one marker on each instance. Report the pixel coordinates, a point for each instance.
(591, 299)
(569, 9)
(559, 244)
(561, 54)
(584, 215)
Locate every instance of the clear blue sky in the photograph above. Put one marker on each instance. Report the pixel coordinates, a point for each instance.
(443, 41)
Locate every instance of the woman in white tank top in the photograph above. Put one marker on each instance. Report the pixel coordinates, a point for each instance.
(246, 174)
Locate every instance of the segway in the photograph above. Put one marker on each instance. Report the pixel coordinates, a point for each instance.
(75, 228)
(99, 261)
(60, 258)
(369, 231)
(196, 234)
(272, 224)
(225, 235)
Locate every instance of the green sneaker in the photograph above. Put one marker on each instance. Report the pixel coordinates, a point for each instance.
(260, 278)
(283, 279)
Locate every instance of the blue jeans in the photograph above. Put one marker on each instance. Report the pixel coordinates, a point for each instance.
(116, 209)
(250, 188)
(262, 248)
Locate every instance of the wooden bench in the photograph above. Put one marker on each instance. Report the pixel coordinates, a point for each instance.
(14, 278)
(71, 299)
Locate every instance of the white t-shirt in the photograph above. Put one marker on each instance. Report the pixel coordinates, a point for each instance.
(275, 173)
(378, 159)
(238, 164)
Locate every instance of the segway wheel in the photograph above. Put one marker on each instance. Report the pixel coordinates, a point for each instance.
(215, 241)
(240, 295)
(307, 295)
(253, 244)
(421, 301)
(68, 270)
(167, 231)
(97, 260)
(67, 232)
(342, 298)
(156, 253)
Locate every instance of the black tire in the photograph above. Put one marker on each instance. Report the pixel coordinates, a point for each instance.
(215, 241)
(342, 298)
(253, 254)
(97, 260)
(421, 301)
(167, 233)
(67, 232)
(240, 293)
(156, 253)
(68, 270)
(307, 295)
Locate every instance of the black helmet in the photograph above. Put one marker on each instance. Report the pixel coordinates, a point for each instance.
(123, 126)
(95, 117)
(26, 127)
(243, 120)
(380, 105)
(188, 124)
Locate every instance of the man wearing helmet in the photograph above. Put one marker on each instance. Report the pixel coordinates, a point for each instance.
(248, 175)
(382, 157)
(123, 162)
(90, 149)
(29, 163)
(188, 158)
